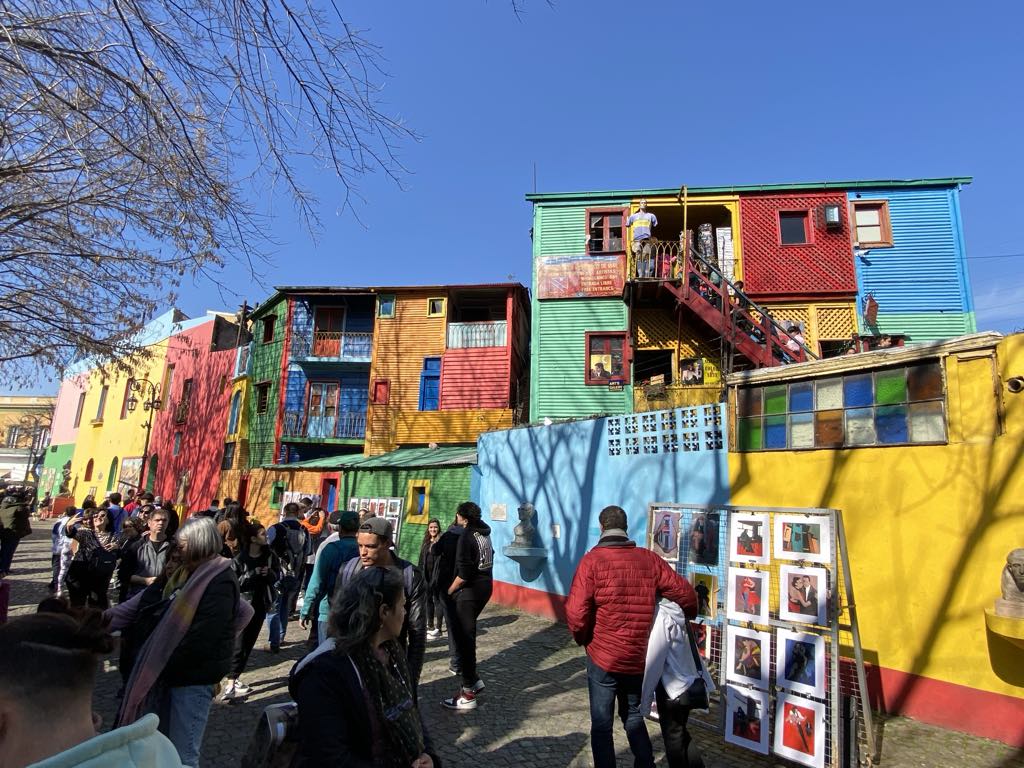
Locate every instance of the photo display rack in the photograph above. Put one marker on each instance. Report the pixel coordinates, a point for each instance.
(777, 627)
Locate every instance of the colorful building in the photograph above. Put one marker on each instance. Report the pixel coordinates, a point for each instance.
(56, 473)
(25, 423)
(234, 469)
(622, 325)
(186, 449)
(919, 447)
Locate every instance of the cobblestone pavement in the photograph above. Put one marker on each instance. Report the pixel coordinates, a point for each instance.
(534, 712)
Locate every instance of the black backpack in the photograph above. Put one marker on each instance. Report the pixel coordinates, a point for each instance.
(291, 548)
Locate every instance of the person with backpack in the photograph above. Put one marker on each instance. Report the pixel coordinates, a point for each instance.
(443, 551)
(325, 572)
(94, 559)
(356, 694)
(117, 513)
(375, 539)
(288, 540)
(14, 525)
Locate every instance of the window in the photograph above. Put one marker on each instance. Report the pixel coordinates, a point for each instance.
(126, 398)
(268, 329)
(181, 412)
(381, 393)
(435, 307)
(604, 231)
(893, 406)
(277, 494)
(177, 444)
(430, 384)
(223, 383)
(81, 406)
(101, 406)
(88, 470)
(328, 325)
(13, 434)
(793, 228)
(606, 358)
(236, 406)
(323, 401)
(229, 456)
(168, 383)
(386, 305)
(417, 502)
(871, 224)
(262, 397)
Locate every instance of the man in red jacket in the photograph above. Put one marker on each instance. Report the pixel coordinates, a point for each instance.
(610, 611)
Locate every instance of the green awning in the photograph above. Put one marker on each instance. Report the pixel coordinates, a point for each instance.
(402, 458)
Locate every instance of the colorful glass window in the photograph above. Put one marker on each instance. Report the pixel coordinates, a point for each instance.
(894, 406)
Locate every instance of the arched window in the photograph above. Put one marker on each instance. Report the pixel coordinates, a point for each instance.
(236, 404)
(151, 474)
(112, 476)
(88, 470)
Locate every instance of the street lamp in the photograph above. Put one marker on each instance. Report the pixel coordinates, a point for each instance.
(150, 393)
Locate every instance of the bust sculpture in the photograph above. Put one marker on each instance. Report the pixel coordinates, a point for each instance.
(525, 531)
(1012, 583)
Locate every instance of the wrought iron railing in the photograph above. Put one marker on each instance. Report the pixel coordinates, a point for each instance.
(492, 333)
(337, 345)
(342, 425)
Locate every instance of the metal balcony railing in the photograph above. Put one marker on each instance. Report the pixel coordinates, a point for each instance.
(334, 345)
(342, 425)
(492, 333)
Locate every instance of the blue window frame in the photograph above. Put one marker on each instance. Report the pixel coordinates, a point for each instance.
(430, 384)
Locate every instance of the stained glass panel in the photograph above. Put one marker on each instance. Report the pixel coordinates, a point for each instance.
(891, 424)
(801, 430)
(828, 429)
(857, 391)
(891, 387)
(927, 423)
(924, 382)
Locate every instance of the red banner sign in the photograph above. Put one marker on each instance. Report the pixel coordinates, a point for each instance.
(568, 277)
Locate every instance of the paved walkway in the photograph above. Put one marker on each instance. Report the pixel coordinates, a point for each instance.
(533, 714)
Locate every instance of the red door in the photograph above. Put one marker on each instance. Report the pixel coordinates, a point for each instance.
(327, 332)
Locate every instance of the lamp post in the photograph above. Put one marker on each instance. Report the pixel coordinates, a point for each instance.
(151, 402)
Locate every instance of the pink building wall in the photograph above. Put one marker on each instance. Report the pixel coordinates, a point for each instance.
(63, 431)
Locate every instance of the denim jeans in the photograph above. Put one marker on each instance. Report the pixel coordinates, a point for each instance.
(607, 688)
(321, 630)
(183, 711)
(277, 619)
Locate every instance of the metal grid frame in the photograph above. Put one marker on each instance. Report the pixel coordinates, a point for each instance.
(844, 663)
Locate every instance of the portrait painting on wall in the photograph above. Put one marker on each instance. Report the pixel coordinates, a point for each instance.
(691, 371)
(803, 537)
(803, 595)
(800, 662)
(706, 587)
(702, 538)
(800, 730)
(748, 656)
(702, 639)
(353, 504)
(664, 533)
(747, 595)
(746, 718)
(748, 538)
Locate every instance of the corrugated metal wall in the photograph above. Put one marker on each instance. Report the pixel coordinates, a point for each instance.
(921, 282)
(475, 378)
(560, 231)
(266, 367)
(449, 487)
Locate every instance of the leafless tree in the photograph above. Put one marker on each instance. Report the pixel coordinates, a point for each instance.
(131, 135)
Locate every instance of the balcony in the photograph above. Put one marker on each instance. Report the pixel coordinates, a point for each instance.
(345, 425)
(483, 334)
(334, 346)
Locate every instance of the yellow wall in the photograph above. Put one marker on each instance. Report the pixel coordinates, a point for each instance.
(657, 328)
(823, 321)
(112, 436)
(928, 527)
(731, 202)
(421, 427)
(261, 482)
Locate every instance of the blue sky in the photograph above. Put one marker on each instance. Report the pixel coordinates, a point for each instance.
(603, 96)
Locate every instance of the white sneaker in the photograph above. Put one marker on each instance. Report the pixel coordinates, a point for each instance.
(464, 699)
(433, 634)
(241, 689)
(229, 691)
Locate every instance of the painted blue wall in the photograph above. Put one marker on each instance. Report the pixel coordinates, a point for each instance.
(923, 276)
(571, 471)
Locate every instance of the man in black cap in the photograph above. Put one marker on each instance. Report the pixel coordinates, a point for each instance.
(375, 540)
(335, 552)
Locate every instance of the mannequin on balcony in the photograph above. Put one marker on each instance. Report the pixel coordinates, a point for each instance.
(641, 224)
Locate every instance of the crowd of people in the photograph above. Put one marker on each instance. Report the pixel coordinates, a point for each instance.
(191, 603)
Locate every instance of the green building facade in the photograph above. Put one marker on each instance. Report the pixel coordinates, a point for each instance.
(269, 330)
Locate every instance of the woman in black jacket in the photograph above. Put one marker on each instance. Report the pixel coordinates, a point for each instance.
(356, 698)
(258, 570)
(428, 564)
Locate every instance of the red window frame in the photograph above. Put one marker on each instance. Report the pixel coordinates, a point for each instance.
(609, 336)
(808, 229)
(605, 234)
(380, 392)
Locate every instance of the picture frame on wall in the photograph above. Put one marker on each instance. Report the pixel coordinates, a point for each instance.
(748, 538)
(800, 730)
(748, 655)
(663, 535)
(746, 718)
(706, 587)
(803, 595)
(806, 538)
(800, 662)
(395, 506)
(702, 538)
(747, 595)
(353, 504)
(702, 639)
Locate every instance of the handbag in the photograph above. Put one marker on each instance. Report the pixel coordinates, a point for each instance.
(102, 560)
(697, 695)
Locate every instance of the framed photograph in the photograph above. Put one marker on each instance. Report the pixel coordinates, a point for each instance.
(702, 638)
(691, 371)
(747, 598)
(800, 730)
(748, 542)
(706, 587)
(395, 506)
(746, 718)
(800, 662)
(364, 503)
(664, 533)
(353, 504)
(803, 595)
(702, 539)
(803, 537)
(748, 655)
